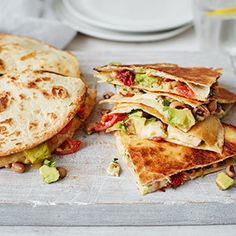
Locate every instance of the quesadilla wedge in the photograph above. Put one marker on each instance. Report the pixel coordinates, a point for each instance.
(39, 111)
(193, 82)
(23, 53)
(160, 165)
(146, 122)
(180, 112)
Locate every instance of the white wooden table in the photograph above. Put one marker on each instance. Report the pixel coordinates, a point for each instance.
(48, 209)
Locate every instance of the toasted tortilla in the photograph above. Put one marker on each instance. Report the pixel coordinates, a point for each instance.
(199, 79)
(35, 106)
(206, 135)
(23, 53)
(154, 163)
(59, 138)
(223, 95)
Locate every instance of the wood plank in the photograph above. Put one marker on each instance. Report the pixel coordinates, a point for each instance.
(213, 230)
(89, 197)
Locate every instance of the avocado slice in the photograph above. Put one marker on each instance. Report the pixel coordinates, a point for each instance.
(38, 154)
(145, 80)
(180, 118)
(49, 174)
(223, 181)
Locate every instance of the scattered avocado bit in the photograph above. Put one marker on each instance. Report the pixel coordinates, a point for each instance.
(38, 154)
(181, 118)
(118, 126)
(135, 113)
(114, 168)
(49, 172)
(165, 103)
(145, 80)
(223, 181)
(153, 119)
(115, 63)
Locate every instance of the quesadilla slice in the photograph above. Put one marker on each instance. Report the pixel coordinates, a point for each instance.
(39, 111)
(160, 165)
(146, 123)
(23, 53)
(193, 82)
(180, 112)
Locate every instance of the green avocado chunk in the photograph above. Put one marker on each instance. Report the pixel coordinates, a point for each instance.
(223, 181)
(145, 80)
(118, 126)
(38, 154)
(49, 174)
(181, 118)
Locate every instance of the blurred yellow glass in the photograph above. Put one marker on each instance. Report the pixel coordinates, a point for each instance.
(215, 24)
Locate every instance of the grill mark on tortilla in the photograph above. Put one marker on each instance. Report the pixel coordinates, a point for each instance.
(32, 84)
(22, 96)
(33, 125)
(28, 56)
(2, 65)
(45, 93)
(7, 121)
(52, 115)
(59, 92)
(4, 101)
(2, 129)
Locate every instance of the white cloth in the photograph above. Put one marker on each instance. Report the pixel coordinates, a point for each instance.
(34, 18)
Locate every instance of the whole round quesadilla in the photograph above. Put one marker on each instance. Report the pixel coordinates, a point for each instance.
(23, 53)
(34, 107)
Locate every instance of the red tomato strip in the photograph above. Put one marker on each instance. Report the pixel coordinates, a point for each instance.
(185, 91)
(109, 120)
(68, 147)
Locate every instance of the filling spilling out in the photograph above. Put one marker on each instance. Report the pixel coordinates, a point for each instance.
(146, 126)
(179, 179)
(147, 79)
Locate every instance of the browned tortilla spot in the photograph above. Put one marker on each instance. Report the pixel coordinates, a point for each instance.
(4, 101)
(2, 65)
(32, 125)
(28, 56)
(32, 84)
(59, 92)
(7, 121)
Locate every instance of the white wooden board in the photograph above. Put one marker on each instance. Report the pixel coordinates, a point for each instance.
(89, 197)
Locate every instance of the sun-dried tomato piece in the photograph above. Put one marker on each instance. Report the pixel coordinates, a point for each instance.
(126, 77)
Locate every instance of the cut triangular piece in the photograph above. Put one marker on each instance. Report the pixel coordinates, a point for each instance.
(157, 165)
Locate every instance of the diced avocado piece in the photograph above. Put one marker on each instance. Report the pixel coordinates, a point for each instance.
(151, 120)
(223, 181)
(118, 126)
(114, 168)
(38, 154)
(166, 102)
(115, 63)
(180, 118)
(145, 80)
(49, 174)
(136, 113)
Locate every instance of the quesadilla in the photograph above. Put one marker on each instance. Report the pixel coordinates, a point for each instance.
(24, 53)
(193, 82)
(146, 123)
(158, 165)
(39, 111)
(178, 111)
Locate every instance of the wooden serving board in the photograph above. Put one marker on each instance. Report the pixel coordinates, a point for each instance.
(88, 196)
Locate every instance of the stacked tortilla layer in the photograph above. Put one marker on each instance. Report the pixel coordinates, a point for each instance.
(43, 100)
(159, 107)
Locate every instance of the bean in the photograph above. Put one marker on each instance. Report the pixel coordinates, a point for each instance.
(62, 172)
(18, 167)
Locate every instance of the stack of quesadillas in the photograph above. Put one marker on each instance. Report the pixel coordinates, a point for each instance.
(43, 101)
(167, 121)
